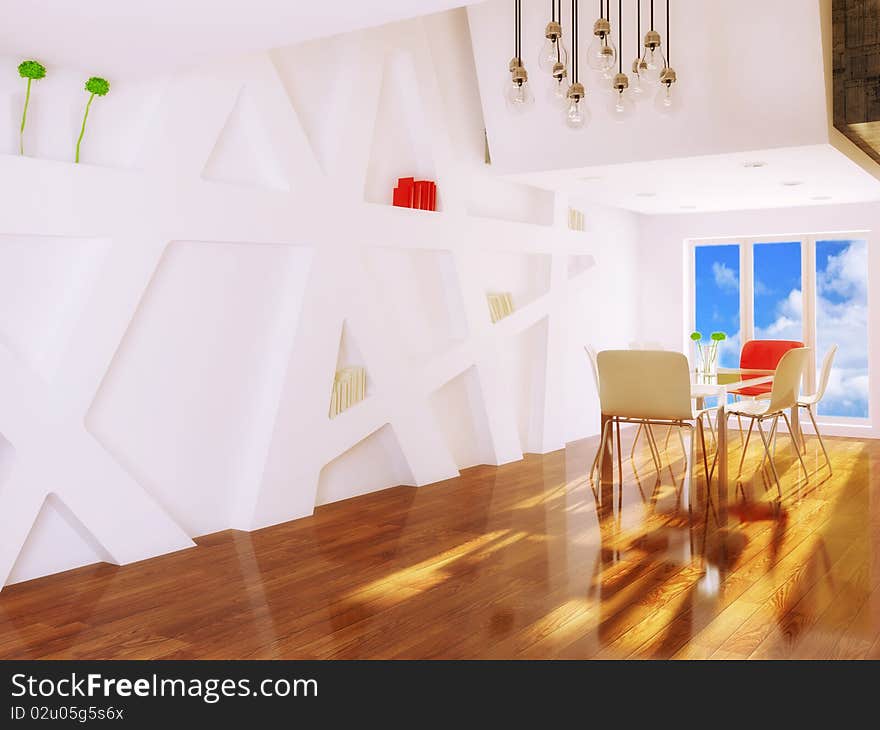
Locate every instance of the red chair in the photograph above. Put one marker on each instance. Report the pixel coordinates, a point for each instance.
(763, 355)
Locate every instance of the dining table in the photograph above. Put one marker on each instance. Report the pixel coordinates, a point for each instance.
(720, 385)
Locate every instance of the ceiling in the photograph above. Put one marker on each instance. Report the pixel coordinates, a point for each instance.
(822, 174)
(120, 37)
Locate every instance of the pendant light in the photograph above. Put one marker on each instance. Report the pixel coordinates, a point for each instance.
(553, 49)
(620, 105)
(577, 115)
(517, 92)
(602, 55)
(667, 101)
(652, 58)
(637, 89)
(559, 84)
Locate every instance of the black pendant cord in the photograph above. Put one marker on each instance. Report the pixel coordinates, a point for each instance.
(518, 31)
(574, 41)
(667, 34)
(620, 35)
(652, 14)
(553, 11)
(638, 27)
(557, 10)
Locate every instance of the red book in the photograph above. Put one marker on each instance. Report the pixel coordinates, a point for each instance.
(433, 197)
(423, 195)
(400, 198)
(406, 185)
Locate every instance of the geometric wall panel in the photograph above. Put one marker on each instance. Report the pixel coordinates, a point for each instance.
(57, 541)
(459, 411)
(243, 154)
(44, 284)
(179, 404)
(377, 461)
(401, 146)
(415, 298)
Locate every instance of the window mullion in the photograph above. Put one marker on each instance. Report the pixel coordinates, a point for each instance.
(808, 297)
(747, 291)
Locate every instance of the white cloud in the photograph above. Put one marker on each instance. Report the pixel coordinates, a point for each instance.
(725, 277)
(845, 273)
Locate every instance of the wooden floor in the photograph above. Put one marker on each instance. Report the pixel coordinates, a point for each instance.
(510, 562)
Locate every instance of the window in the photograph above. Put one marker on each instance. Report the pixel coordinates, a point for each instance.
(808, 288)
(716, 290)
(778, 291)
(842, 319)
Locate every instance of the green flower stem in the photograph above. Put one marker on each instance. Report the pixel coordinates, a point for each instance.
(27, 98)
(83, 130)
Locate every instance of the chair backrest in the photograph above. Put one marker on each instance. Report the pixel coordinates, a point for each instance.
(765, 354)
(594, 368)
(787, 379)
(644, 384)
(827, 362)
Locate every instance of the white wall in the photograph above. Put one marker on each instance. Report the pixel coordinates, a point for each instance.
(664, 299)
(173, 309)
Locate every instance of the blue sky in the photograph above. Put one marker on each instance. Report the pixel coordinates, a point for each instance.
(841, 308)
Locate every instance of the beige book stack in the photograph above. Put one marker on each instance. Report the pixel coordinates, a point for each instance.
(576, 220)
(349, 387)
(500, 305)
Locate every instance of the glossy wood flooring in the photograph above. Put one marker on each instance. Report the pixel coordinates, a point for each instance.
(510, 562)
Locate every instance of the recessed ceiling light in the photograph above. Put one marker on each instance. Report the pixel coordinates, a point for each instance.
(821, 197)
(792, 183)
(646, 195)
(755, 163)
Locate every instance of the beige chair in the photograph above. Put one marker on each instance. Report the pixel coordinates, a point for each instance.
(652, 444)
(783, 396)
(652, 388)
(807, 402)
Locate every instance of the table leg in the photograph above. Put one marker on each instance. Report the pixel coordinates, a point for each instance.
(722, 465)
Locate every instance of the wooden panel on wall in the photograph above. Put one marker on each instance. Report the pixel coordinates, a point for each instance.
(856, 68)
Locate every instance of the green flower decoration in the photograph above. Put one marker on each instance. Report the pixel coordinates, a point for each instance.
(32, 71)
(696, 336)
(96, 86)
(718, 336)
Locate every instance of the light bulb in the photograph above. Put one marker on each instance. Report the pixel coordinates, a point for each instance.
(558, 90)
(621, 106)
(577, 116)
(553, 51)
(601, 55)
(668, 100)
(637, 90)
(518, 96)
(653, 64)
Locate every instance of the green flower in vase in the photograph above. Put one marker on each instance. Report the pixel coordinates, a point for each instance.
(697, 339)
(716, 338)
(96, 86)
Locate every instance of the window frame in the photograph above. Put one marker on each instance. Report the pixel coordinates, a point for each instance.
(810, 294)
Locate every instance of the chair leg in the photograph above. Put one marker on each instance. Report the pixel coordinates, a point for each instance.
(742, 458)
(772, 440)
(632, 451)
(819, 436)
(767, 452)
(620, 458)
(608, 429)
(655, 453)
(794, 443)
